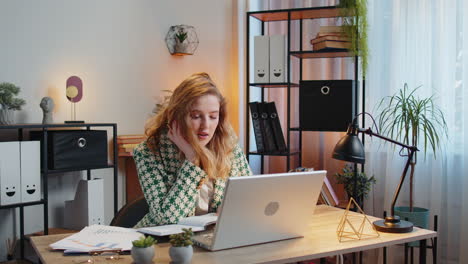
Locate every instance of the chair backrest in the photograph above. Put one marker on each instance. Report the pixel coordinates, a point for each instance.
(131, 213)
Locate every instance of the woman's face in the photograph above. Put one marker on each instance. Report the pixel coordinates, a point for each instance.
(203, 118)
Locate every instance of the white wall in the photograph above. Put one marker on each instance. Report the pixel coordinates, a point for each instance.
(117, 47)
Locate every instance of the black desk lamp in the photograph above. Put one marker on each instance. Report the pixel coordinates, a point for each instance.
(350, 148)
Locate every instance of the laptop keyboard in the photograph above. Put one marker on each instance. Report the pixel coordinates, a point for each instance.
(204, 240)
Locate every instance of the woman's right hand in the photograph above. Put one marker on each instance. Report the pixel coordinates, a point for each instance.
(176, 136)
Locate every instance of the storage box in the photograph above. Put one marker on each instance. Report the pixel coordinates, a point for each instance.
(75, 149)
(261, 59)
(10, 173)
(87, 208)
(326, 105)
(277, 58)
(30, 158)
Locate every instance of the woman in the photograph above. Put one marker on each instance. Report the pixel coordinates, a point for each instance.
(190, 152)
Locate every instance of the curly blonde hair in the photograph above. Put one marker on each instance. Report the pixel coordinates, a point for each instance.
(214, 158)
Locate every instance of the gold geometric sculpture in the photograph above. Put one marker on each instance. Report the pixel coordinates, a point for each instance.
(355, 227)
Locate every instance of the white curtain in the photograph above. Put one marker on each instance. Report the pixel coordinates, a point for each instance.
(423, 43)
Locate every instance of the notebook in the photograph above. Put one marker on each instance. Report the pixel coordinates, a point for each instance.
(264, 208)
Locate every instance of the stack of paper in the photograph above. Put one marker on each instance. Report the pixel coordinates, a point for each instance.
(196, 223)
(96, 238)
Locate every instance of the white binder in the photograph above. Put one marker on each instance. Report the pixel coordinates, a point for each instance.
(10, 175)
(30, 158)
(88, 206)
(261, 59)
(278, 58)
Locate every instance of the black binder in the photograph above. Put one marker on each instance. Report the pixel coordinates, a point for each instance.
(276, 126)
(257, 126)
(268, 136)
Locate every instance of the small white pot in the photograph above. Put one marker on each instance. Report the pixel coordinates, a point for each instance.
(7, 116)
(181, 255)
(143, 255)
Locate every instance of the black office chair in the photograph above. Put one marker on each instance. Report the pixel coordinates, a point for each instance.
(131, 213)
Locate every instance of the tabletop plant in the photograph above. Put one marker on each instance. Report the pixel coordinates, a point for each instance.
(412, 120)
(8, 91)
(143, 250)
(181, 250)
(363, 183)
(144, 242)
(183, 239)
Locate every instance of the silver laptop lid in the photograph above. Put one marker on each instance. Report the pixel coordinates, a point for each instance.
(265, 208)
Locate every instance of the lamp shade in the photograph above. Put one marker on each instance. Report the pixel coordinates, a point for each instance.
(349, 148)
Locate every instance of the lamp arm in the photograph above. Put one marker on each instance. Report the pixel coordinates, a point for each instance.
(402, 179)
(371, 133)
(411, 149)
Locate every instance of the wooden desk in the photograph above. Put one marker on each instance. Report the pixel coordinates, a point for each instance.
(321, 241)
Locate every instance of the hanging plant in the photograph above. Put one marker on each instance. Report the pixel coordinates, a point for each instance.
(354, 15)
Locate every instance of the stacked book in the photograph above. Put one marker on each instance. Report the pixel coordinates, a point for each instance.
(332, 38)
(127, 143)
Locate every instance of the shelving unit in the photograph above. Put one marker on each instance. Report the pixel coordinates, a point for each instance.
(289, 15)
(45, 171)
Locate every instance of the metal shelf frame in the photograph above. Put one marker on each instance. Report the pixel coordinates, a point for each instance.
(45, 170)
(288, 15)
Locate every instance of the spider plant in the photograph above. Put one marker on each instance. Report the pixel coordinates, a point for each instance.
(413, 121)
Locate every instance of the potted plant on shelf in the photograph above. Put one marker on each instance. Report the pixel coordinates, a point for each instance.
(181, 250)
(9, 103)
(143, 250)
(363, 183)
(354, 15)
(412, 120)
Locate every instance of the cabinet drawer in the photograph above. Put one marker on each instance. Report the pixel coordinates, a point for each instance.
(75, 149)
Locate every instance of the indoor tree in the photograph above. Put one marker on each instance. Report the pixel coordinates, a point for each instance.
(413, 121)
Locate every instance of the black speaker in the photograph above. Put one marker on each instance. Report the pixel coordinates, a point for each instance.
(74, 149)
(326, 105)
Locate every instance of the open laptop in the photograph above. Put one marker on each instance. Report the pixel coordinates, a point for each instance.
(264, 208)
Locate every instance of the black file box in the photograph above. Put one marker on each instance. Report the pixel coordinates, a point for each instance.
(326, 105)
(74, 149)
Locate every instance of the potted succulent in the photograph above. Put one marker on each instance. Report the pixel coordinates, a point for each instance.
(180, 37)
(9, 103)
(181, 250)
(363, 183)
(143, 250)
(412, 120)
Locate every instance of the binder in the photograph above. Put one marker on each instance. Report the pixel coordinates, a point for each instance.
(277, 58)
(88, 206)
(10, 173)
(276, 127)
(30, 163)
(261, 59)
(257, 126)
(265, 124)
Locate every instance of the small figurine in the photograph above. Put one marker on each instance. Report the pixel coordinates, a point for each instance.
(47, 105)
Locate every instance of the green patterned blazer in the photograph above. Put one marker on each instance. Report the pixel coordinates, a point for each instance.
(170, 185)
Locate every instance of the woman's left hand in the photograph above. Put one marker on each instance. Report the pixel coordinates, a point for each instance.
(176, 136)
